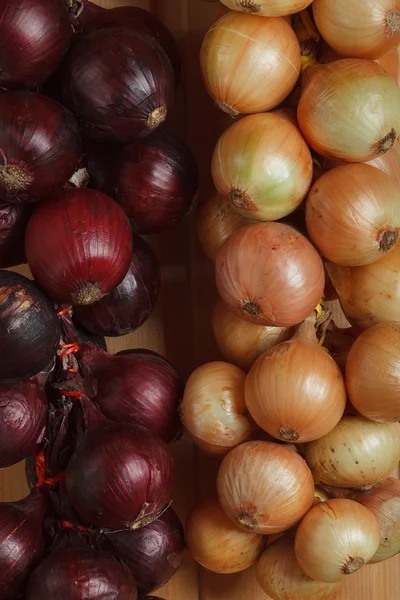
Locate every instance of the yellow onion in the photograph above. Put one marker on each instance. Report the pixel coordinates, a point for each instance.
(356, 454)
(359, 28)
(213, 409)
(281, 577)
(313, 398)
(242, 342)
(389, 162)
(348, 110)
(263, 165)
(249, 63)
(336, 538)
(264, 487)
(320, 495)
(216, 543)
(216, 220)
(352, 214)
(373, 372)
(268, 8)
(384, 502)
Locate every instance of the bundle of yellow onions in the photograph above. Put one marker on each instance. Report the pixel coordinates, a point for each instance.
(216, 543)
(216, 221)
(335, 199)
(336, 538)
(213, 409)
(384, 502)
(270, 274)
(313, 398)
(264, 487)
(249, 63)
(268, 8)
(281, 577)
(348, 110)
(359, 28)
(242, 342)
(373, 373)
(356, 454)
(369, 294)
(263, 165)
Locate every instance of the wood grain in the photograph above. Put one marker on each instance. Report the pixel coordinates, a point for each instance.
(180, 327)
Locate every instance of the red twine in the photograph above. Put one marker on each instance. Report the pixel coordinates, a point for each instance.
(64, 311)
(69, 525)
(72, 393)
(69, 349)
(41, 472)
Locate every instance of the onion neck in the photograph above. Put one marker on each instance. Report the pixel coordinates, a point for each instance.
(392, 23)
(87, 293)
(247, 520)
(353, 565)
(229, 110)
(14, 179)
(306, 331)
(242, 200)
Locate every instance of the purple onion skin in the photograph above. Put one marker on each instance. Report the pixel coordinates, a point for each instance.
(119, 84)
(119, 477)
(29, 328)
(140, 389)
(154, 180)
(153, 554)
(88, 337)
(13, 221)
(81, 573)
(127, 307)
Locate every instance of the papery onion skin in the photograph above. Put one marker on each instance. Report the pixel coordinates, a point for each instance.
(119, 84)
(96, 247)
(359, 28)
(335, 539)
(335, 108)
(29, 328)
(281, 577)
(341, 193)
(373, 373)
(87, 337)
(120, 477)
(34, 36)
(241, 342)
(216, 543)
(75, 573)
(264, 487)
(266, 8)
(270, 274)
(41, 147)
(384, 502)
(13, 222)
(249, 64)
(358, 453)
(213, 409)
(263, 165)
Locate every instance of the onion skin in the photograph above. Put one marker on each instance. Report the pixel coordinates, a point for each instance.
(356, 454)
(263, 165)
(266, 8)
(34, 36)
(233, 74)
(281, 577)
(334, 200)
(99, 240)
(41, 147)
(29, 328)
(87, 337)
(264, 487)
(270, 274)
(13, 222)
(218, 545)
(335, 108)
(119, 84)
(213, 409)
(384, 502)
(373, 373)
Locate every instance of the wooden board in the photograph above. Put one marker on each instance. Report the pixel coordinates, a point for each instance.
(180, 327)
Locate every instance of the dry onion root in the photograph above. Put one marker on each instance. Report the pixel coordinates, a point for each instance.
(268, 8)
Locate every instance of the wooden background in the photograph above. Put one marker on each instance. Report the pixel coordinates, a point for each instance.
(180, 327)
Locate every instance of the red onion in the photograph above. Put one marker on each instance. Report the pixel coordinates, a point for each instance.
(87, 337)
(153, 554)
(40, 146)
(81, 573)
(128, 306)
(13, 221)
(154, 180)
(78, 246)
(139, 388)
(119, 83)
(119, 477)
(21, 542)
(34, 36)
(29, 329)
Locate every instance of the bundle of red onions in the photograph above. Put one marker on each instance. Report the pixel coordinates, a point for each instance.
(13, 222)
(119, 83)
(40, 146)
(78, 245)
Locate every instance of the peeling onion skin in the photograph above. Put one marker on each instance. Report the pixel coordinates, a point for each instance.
(268, 8)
